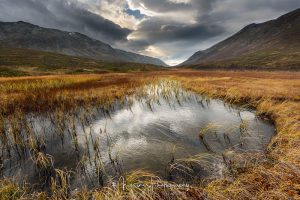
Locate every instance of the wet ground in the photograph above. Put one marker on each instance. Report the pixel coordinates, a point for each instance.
(164, 129)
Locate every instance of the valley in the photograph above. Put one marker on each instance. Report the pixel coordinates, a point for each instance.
(81, 118)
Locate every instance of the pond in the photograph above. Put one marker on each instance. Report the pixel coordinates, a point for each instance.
(163, 129)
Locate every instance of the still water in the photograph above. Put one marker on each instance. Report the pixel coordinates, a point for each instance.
(159, 130)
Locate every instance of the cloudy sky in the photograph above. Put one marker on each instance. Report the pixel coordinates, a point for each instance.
(171, 30)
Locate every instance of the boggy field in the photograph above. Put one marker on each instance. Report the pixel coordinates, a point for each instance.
(269, 174)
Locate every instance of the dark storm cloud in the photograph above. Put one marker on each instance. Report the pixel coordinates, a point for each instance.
(211, 17)
(137, 45)
(62, 14)
(272, 4)
(157, 31)
(182, 27)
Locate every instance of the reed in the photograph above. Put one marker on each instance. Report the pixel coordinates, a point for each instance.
(274, 95)
(212, 127)
(60, 184)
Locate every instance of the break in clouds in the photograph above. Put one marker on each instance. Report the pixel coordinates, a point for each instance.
(171, 30)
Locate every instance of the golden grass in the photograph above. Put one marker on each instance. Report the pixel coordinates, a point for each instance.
(10, 191)
(49, 93)
(277, 98)
(273, 94)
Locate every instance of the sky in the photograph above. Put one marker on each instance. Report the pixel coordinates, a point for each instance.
(171, 30)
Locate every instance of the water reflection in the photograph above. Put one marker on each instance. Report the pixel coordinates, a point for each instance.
(162, 128)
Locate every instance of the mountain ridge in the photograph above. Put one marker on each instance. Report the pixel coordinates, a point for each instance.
(25, 35)
(256, 45)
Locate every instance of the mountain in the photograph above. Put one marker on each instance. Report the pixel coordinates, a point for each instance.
(271, 45)
(28, 36)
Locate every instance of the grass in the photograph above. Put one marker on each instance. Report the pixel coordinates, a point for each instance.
(20, 62)
(10, 191)
(274, 95)
(8, 72)
(68, 91)
(261, 60)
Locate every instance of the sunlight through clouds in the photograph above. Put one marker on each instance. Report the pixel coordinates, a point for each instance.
(153, 51)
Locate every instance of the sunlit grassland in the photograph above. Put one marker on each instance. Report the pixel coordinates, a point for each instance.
(274, 94)
(66, 92)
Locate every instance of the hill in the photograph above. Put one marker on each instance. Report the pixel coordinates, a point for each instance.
(28, 36)
(271, 45)
(21, 62)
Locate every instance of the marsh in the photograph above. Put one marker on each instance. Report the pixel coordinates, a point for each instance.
(162, 128)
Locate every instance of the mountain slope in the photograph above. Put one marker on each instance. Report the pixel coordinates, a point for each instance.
(27, 36)
(20, 62)
(273, 44)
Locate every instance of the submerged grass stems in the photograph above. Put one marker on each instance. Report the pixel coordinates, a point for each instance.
(60, 184)
(273, 94)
